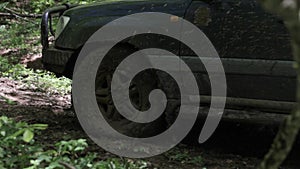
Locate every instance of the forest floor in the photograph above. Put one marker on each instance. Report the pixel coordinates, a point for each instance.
(234, 145)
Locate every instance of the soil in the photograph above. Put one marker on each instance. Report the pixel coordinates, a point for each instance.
(234, 145)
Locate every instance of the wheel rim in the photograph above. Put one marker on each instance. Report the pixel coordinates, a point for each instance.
(104, 98)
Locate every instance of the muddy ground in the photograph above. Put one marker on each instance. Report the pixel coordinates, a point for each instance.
(236, 144)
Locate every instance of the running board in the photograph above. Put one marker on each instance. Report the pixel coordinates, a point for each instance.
(282, 107)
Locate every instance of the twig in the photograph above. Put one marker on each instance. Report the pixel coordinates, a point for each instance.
(12, 15)
(22, 15)
(6, 14)
(67, 165)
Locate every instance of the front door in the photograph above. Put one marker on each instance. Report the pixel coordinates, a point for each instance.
(253, 45)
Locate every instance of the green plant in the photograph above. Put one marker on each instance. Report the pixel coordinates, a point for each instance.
(72, 152)
(41, 5)
(36, 79)
(18, 149)
(4, 65)
(183, 156)
(17, 145)
(8, 101)
(15, 34)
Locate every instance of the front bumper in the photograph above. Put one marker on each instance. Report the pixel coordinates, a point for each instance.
(56, 60)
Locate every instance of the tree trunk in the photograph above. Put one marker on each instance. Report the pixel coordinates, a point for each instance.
(289, 11)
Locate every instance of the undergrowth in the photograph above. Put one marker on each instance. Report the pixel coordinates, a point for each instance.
(39, 80)
(19, 149)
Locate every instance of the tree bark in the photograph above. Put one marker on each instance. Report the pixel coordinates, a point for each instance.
(289, 11)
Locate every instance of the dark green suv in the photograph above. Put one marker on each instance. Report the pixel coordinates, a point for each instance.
(254, 47)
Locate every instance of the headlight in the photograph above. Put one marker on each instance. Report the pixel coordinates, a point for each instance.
(62, 23)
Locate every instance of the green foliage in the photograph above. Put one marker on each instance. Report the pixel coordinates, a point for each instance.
(23, 38)
(41, 5)
(183, 156)
(18, 149)
(16, 142)
(122, 164)
(8, 101)
(37, 79)
(4, 65)
(3, 5)
(16, 34)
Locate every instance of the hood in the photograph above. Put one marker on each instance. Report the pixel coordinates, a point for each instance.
(87, 19)
(125, 7)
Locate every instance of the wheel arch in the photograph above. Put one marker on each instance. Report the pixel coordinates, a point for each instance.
(69, 68)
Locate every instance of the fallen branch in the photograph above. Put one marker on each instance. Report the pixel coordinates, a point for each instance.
(6, 15)
(12, 15)
(15, 13)
(68, 166)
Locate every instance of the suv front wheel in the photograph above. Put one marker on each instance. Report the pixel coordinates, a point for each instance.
(140, 87)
